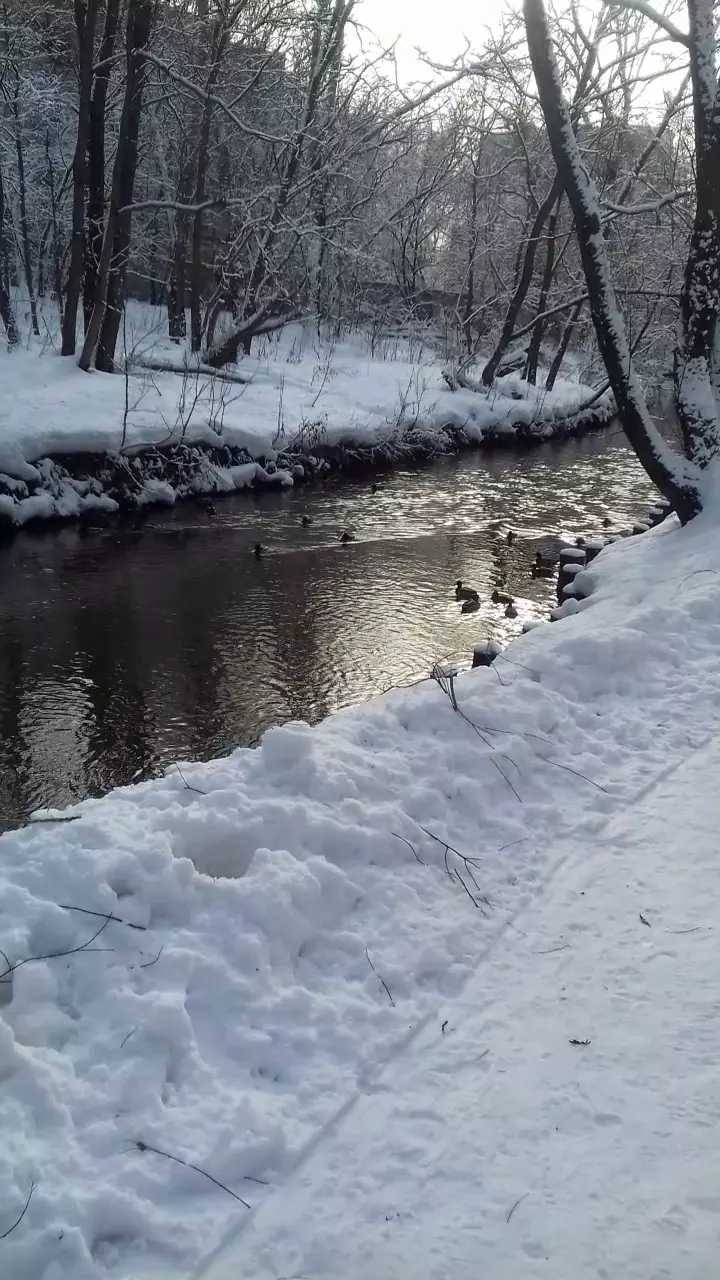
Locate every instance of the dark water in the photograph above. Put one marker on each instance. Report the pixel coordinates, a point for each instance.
(129, 649)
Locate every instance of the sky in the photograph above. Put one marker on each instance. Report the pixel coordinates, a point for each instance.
(440, 27)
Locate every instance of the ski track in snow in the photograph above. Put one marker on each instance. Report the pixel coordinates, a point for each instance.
(243, 1029)
(499, 1146)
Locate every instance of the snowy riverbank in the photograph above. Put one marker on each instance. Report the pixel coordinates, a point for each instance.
(75, 445)
(307, 913)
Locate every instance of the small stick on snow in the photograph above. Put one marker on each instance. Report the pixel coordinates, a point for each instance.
(372, 966)
(410, 846)
(55, 955)
(17, 1221)
(517, 1202)
(102, 915)
(644, 921)
(149, 963)
(65, 817)
(143, 1146)
(189, 785)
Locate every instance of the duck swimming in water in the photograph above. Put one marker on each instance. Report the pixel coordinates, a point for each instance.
(470, 605)
(511, 611)
(465, 593)
(306, 520)
(544, 562)
(501, 597)
(258, 549)
(510, 537)
(345, 536)
(542, 571)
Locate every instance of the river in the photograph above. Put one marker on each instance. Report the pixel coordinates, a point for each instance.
(128, 649)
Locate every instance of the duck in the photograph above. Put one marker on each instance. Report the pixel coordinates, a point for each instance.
(206, 505)
(346, 536)
(471, 605)
(510, 537)
(542, 571)
(544, 562)
(258, 550)
(374, 488)
(606, 522)
(306, 520)
(465, 593)
(511, 611)
(501, 597)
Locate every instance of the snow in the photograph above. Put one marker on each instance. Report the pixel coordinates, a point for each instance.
(298, 392)
(323, 994)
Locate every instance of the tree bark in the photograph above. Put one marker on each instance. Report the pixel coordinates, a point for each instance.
(86, 12)
(674, 476)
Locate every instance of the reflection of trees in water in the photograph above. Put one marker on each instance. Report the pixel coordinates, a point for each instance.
(117, 727)
(15, 754)
(303, 636)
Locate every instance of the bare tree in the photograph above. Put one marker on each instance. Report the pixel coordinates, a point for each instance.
(695, 369)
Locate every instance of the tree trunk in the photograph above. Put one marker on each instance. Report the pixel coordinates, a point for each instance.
(523, 284)
(55, 241)
(105, 319)
(86, 12)
(559, 356)
(6, 309)
(22, 199)
(538, 332)
(177, 322)
(696, 371)
(674, 476)
(96, 159)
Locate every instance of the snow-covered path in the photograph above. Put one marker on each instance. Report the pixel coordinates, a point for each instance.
(494, 1145)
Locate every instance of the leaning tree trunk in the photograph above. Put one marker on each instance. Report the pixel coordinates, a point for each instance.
(86, 12)
(677, 478)
(697, 360)
(563, 345)
(104, 323)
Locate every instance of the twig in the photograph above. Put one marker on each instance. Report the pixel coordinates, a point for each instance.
(103, 915)
(189, 785)
(643, 920)
(517, 1202)
(65, 817)
(17, 1221)
(143, 1146)
(372, 966)
(581, 1043)
(150, 963)
(410, 846)
(129, 1034)
(551, 950)
(55, 955)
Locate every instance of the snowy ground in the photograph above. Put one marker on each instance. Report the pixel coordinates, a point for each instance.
(299, 392)
(312, 1001)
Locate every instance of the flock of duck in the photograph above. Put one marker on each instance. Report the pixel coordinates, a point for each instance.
(543, 567)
